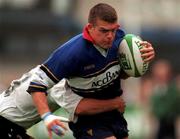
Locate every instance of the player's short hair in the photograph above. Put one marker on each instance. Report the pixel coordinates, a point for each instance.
(103, 12)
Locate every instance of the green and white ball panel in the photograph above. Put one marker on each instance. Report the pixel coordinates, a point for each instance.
(126, 61)
(130, 56)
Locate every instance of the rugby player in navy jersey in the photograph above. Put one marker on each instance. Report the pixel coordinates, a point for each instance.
(89, 63)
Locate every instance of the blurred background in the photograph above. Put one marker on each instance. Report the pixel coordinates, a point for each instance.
(31, 29)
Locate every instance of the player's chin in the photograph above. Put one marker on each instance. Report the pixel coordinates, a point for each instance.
(107, 46)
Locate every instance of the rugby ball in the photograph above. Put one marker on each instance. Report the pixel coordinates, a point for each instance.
(130, 56)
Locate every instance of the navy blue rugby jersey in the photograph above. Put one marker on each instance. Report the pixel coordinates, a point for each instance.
(90, 71)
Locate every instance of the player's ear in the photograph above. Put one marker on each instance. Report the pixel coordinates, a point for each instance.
(90, 27)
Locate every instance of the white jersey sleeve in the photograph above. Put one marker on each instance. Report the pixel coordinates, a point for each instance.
(66, 99)
(16, 103)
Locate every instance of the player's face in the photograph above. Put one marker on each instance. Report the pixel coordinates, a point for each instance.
(103, 33)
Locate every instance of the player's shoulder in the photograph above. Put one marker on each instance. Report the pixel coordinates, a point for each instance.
(118, 37)
(74, 41)
(120, 33)
(77, 46)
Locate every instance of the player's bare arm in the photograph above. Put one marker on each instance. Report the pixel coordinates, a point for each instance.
(89, 106)
(40, 101)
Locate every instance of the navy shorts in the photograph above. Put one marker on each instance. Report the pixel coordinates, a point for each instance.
(100, 126)
(10, 130)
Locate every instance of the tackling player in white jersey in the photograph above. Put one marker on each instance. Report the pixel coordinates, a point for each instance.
(18, 111)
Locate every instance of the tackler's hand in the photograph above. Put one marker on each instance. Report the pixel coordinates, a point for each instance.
(120, 103)
(54, 123)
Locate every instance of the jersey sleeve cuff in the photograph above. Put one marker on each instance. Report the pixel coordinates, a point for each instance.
(33, 87)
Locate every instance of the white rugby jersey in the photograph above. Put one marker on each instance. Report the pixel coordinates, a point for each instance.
(16, 103)
(90, 71)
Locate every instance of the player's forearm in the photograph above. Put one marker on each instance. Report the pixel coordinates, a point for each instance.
(93, 106)
(40, 102)
(52, 122)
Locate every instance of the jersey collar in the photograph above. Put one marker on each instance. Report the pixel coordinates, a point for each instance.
(86, 35)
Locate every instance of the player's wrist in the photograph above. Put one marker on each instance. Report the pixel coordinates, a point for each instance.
(48, 119)
(45, 115)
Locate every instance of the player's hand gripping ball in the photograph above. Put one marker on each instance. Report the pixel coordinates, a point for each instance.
(130, 56)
